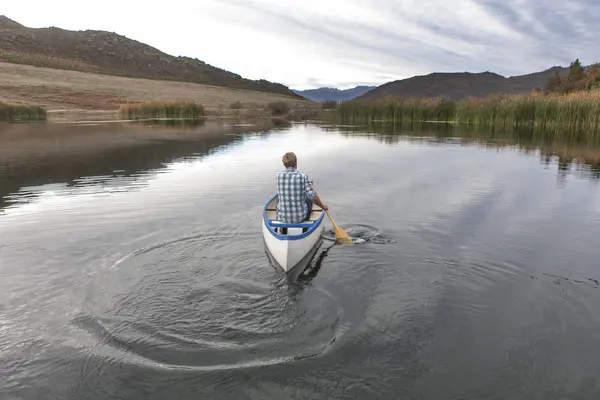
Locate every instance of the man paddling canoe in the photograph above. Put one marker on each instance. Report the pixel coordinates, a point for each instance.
(296, 195)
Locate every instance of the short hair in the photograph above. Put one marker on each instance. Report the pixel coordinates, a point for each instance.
(289, 159)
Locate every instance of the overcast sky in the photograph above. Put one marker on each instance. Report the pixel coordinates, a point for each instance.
(312, 43)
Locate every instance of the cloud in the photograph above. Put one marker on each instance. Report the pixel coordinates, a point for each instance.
(341, 43)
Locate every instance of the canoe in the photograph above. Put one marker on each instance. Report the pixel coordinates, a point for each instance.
(291, 244)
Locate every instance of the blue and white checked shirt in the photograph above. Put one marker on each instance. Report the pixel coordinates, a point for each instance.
(293, 188)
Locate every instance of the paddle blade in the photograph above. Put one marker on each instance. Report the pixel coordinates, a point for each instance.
(341, 236)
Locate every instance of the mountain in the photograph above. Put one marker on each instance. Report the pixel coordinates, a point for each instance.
(460, 85)
(112, 54)
(325, 94)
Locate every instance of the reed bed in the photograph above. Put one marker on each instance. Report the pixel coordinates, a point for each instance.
(162, 109)
(11, 112)
(575, 113)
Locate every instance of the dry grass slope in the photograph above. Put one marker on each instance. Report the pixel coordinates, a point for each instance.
(67, 93)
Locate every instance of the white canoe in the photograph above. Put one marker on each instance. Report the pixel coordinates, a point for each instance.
(291, 244)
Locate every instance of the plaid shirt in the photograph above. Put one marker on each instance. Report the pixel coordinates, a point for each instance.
(294, 189)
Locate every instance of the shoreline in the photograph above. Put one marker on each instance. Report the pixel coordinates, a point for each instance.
(109, 116)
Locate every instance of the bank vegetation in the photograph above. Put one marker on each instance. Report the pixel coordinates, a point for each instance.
(567, 104)
(13, 112)
(162, 109)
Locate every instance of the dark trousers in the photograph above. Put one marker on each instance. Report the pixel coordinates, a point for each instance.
(309, 203)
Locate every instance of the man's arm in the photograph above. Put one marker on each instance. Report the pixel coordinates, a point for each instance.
(318, 202)
(312, 194)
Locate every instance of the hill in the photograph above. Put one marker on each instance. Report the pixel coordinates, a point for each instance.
(460, 85)
(112, 54)
(326, 94)
(76, 94)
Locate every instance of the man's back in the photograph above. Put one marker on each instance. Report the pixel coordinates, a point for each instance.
(294, 190)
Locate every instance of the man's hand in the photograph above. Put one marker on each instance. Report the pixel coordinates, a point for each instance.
(325, 207)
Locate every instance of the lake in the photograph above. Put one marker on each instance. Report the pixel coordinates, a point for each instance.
(139, 271)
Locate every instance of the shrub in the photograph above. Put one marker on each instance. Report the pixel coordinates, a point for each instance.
(279, 107)
(330, 105)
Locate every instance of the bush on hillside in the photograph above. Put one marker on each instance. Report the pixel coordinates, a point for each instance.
(279, 107)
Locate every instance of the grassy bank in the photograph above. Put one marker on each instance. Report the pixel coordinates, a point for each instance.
(572, 113)
(10, 112)
(162, 109)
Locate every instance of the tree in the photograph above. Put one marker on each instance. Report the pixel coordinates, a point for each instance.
(554, 84)
(576, 72)
(592, 80)
(594, 84)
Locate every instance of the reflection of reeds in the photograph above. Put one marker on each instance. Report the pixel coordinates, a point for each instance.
(162, 109)
(571, 114)
(11, 112)
(574, 150)
(177, 123)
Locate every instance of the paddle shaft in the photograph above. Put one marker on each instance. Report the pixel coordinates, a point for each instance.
(339, 232)
(331, 218)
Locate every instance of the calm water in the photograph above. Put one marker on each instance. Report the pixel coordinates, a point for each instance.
(141, 273)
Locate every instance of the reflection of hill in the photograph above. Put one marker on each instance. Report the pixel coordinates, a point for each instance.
(109, 155)
(581, 153)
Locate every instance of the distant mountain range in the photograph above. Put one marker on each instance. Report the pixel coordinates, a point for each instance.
(453, 85)
(326, 93)
(112, 54)
(460, 85)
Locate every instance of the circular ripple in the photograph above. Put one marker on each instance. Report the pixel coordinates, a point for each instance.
(359, 234)
(208, 302)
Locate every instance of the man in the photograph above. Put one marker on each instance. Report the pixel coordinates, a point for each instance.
(295, 191)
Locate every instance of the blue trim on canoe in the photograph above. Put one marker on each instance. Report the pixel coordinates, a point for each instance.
(269, 224)
(283, 225)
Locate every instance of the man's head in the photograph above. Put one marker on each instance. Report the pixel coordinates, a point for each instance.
(289, 160)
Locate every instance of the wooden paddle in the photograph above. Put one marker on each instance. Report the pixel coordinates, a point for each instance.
(340, 235)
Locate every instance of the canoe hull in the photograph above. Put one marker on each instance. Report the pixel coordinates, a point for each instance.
(291, 244)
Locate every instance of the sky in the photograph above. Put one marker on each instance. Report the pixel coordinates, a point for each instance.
(306, 44)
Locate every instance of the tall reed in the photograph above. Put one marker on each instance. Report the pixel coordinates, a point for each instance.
(11, 112)
(162, 109)
(577, 113)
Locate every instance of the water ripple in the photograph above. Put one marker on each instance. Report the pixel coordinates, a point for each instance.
(206, 302)
(360, 234)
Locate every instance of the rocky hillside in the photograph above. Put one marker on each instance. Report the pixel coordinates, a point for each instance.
(112, 54)
(459, 85)
(328, 94)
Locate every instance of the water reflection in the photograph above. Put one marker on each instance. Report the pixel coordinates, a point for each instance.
(306, 276)
(179, 123)
(43, 158)
(110, 157)
(580, 155)
(489, 287)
